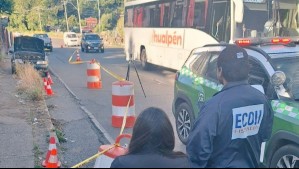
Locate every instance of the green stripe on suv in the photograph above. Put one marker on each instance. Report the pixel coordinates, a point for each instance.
(283, 108)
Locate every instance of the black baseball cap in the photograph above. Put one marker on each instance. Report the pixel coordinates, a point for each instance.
(234, 63)
(231, 54)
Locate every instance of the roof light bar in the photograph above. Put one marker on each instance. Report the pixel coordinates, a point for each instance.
(243, 42)
(281, 40)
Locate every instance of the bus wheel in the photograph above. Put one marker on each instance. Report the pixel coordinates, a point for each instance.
(143, 59)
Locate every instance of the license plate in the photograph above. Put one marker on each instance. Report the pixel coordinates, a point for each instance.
(95, 48)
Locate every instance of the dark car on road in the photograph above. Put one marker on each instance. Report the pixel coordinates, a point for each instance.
(29, 50)
(92, 42)
(47, 41)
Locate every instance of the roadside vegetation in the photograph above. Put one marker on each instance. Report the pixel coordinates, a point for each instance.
(30, 83)
(37, 155)
(56, 16)
(59, 130)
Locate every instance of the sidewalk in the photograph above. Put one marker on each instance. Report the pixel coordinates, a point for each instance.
(24, 125)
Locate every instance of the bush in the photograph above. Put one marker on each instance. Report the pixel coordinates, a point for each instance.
(30, 82)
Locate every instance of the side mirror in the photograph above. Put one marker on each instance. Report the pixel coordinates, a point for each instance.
(278, 78)
(101, 38)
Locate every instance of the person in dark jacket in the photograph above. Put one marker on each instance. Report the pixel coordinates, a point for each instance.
(234, 123)
(152, 144)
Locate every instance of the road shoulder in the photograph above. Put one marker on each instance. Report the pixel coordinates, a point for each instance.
(24, 125)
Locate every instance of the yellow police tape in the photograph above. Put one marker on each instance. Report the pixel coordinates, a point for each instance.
(121, 130)
(106, 70)
(76, 62)
(72, 56)
(93, 157)
(125, 117)
(111, 73)
(115, 144)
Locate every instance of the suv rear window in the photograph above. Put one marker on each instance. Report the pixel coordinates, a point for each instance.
(92, 37)
(71, 35)
(198, 62)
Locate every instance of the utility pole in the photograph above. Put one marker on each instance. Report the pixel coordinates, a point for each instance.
(65, 14)
(99, 11)
(78, 9)
(40, 22)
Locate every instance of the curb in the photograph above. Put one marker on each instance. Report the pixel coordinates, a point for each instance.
(50, 125)
(94, 121)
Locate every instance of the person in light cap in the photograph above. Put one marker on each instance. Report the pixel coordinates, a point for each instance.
(233, 124)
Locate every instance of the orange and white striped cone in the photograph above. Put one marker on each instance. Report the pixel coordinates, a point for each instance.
(93, 75)
(53, 160)
(105, 160)
(49, 90)
(78, 56)
(49, 79)
(45, 84)
(52, 145)
(122, 93)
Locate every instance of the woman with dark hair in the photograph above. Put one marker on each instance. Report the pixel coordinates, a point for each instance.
(152, 144)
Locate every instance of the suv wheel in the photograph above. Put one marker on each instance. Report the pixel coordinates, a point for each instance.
(184, 119)
(82, 49)
(102, 50)
(286, 157)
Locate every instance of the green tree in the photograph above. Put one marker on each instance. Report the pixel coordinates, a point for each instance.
(6, 6)
(106, 22)
(120, 27)
(33, 14)
(30, 15)
(72, 20)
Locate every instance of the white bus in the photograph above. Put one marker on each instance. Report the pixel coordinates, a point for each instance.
(163, 32)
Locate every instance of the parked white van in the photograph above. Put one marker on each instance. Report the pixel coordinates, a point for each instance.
(70, 39)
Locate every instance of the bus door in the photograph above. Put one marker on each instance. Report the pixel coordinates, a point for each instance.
(219, 20)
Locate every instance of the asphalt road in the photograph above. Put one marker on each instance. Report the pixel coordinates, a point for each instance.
(158, 85)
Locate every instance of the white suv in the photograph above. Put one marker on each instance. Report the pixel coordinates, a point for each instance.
(71, 39)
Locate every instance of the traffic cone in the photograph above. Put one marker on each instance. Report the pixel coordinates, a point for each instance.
(78, 56)
(45, 84)
(53, 160)
(50, 79)
(49, 89)
(52, 146)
